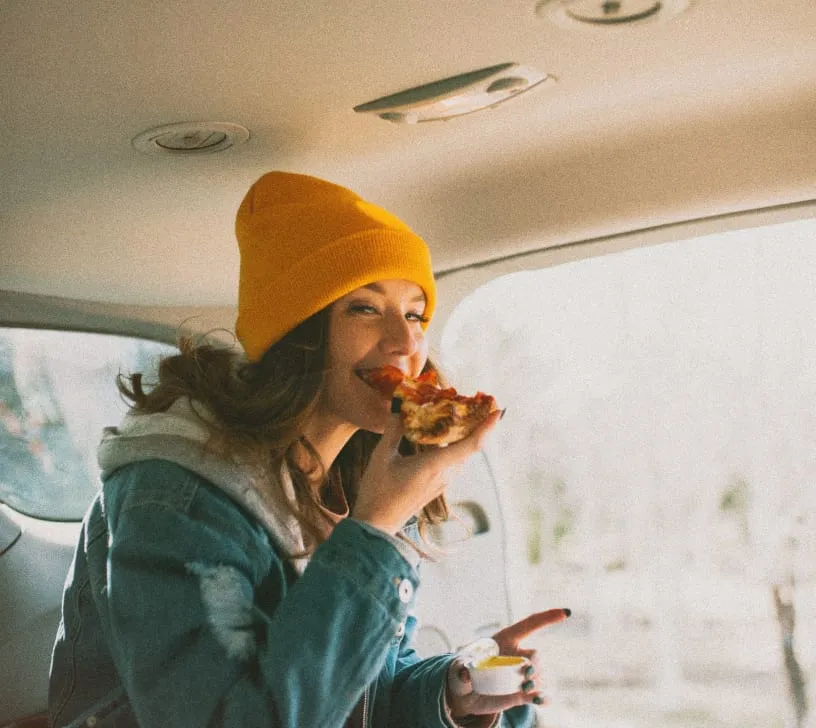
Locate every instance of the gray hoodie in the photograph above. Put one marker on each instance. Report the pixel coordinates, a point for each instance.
(180, 435)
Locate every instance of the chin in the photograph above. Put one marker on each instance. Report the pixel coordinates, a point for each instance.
(373, 422)
(373, 425)
(373, 430)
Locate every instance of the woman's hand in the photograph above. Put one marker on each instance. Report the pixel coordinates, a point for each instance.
(461, 698)
(395, 487)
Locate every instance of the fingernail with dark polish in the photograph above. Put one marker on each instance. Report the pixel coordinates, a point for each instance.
(529, 685)
(567, 611)
(396, 405)
(529, 670)
(537, 700)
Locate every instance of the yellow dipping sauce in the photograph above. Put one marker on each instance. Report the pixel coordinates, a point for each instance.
(499, 661)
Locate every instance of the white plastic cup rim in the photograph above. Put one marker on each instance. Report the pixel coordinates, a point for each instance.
(499, 680)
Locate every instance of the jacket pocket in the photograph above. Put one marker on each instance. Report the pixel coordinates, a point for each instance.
(110, 712)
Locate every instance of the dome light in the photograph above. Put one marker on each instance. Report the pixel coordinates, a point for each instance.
(457, 95)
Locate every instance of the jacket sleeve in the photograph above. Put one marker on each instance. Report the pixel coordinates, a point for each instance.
(192, 649)
(418, 699)
(419, 694)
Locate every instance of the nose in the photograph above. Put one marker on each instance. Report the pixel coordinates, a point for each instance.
(399, 336)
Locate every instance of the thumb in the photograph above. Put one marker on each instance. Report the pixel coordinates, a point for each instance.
(459, 678)
(392, 434)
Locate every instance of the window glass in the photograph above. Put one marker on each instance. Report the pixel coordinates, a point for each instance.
(657, 462)
(57, 393)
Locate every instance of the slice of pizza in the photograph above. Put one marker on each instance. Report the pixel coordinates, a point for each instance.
(431, 415)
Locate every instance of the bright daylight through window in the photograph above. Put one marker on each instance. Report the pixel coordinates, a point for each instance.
(57, 393)
(657, 463)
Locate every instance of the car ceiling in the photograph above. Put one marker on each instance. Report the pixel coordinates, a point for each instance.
(707, 113)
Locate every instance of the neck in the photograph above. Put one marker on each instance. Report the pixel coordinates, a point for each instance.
(328, 438)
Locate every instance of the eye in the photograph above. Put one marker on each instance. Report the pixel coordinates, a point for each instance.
(369, 309)
(363, 308)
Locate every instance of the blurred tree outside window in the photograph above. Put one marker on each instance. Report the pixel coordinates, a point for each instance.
(57, 393)
(658, 466)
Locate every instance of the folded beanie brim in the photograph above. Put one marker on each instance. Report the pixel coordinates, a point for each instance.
(270, 306)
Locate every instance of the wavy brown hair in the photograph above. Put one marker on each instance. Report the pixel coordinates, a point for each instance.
(259, 410)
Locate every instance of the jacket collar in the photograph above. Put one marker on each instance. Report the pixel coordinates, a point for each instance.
(180, 435)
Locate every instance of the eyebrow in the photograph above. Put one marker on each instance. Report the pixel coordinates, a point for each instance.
(376, 287)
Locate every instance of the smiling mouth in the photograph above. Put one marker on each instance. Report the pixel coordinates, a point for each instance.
(360, 374)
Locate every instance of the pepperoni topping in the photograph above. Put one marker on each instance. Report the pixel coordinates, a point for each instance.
(385, 379)
(391, 382)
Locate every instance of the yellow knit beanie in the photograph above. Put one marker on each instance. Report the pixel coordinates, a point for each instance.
(304, 243)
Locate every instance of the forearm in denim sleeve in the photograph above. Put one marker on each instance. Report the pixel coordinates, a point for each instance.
(418, 699)
(350, 600)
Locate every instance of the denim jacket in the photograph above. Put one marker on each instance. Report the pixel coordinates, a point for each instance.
(182, 608)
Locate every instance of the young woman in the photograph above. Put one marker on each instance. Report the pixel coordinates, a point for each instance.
(252, 558)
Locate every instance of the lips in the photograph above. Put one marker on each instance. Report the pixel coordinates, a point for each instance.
(361, 375)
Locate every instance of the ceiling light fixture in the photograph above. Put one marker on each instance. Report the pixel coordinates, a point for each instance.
(191, 137)
(595, 14)
(456, 95)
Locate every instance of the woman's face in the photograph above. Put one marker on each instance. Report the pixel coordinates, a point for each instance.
(370, 327)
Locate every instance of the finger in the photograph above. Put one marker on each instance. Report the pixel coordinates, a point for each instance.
(534, 684)
(460, 451)
(497, 703)
(534, 694)
(538, 699)
(477, 437)
(532, 658)
(534, 661)
(393, 432)
(518, 631)
(459, 679)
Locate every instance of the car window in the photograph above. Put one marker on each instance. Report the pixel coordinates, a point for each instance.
(658, 459)
(57, 393)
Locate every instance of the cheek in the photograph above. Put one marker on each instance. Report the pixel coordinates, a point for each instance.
(421, 357)
(344, 392)
(346, 352)
(335, 387)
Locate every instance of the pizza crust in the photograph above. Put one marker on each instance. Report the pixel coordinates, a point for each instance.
(443, 422)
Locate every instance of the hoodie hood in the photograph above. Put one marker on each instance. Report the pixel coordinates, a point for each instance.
(180, 435)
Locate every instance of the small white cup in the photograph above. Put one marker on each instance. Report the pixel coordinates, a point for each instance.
(497, 675)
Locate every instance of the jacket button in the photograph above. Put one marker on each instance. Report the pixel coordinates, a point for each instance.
(401, 629)
(91, 721)
(405, 591)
